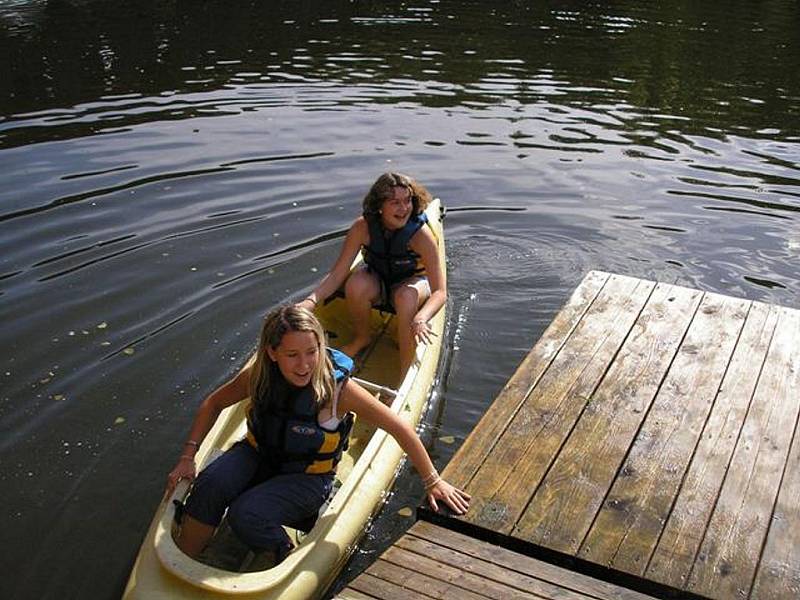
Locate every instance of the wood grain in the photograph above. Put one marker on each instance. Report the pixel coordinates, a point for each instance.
(629, 525)
(537, 572)
(727, 560)
(778, 573)
(675, 553)
(519, 460)
(480, 443)
(563, 508)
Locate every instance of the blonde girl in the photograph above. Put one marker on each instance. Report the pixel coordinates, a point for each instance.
(280, 474)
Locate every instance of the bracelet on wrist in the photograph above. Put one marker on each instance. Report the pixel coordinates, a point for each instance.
(429, 486)
(191, 443)
(313, 300)
(430, 476)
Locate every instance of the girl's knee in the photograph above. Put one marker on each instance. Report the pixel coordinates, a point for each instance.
(406, 301)
(208, 500)
(219, 484)
(242, 518)
(255, 527)
(361, 284)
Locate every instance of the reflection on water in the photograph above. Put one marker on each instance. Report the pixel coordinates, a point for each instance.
(170, 171)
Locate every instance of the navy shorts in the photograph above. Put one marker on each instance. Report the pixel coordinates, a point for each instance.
(258, 500)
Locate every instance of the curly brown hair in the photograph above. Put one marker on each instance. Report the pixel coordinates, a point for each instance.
(382, 189)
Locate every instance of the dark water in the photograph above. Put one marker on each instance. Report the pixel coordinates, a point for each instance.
(171, 170)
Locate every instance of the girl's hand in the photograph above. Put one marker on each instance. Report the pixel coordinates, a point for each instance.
(184, 470)
(422, 332)
(457, 500)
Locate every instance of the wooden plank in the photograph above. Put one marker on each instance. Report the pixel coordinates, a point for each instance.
(727, 561)
(674, 555)
(778, 575)
(351, 594)
(375, 587)
(563, 508)
(514, 584)
(505, 481)
(442, 580)
(519, 563)
(477, 446)
(628, 526)
(416, 573)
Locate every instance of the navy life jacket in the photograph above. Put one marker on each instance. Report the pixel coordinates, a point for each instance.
(390, 256)
(291, 440)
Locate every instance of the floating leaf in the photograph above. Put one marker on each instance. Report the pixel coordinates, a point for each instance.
(58, 397)
(447, 439)
(128, 351)
(102, 325)
(119, 420)
(405, 512)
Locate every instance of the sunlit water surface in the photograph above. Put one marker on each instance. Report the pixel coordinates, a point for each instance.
(171, 171)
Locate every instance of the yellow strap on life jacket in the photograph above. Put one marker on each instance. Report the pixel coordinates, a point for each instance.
(319, 467)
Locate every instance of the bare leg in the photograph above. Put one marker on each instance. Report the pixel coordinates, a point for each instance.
(407, 299)
(193, 536)
(361, 290)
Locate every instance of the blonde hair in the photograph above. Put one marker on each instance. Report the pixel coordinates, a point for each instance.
(267, 384)
(382, 189)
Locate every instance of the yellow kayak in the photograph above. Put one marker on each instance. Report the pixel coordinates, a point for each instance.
(365, 473)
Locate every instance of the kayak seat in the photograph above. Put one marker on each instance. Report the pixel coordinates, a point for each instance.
(384, 307)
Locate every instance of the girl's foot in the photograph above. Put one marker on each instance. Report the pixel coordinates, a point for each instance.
(355, 346)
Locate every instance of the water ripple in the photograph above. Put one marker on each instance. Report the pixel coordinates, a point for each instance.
(136, 183)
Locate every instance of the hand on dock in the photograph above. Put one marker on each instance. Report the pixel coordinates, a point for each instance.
(457, 500)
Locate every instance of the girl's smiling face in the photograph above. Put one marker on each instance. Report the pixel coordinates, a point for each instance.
(397, 208)
(297, 356)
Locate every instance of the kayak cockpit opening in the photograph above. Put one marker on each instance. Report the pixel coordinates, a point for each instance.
(226, 551)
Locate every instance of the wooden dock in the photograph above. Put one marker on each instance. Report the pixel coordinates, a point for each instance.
(648, 439)
(435, 562)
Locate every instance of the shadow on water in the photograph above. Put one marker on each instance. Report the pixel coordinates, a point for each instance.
(170, 171)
